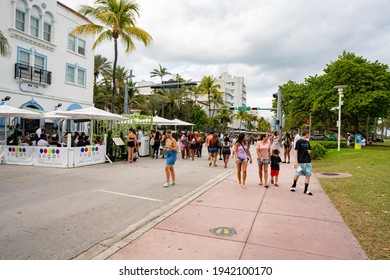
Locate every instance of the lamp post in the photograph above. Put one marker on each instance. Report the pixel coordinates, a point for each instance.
(340, 89)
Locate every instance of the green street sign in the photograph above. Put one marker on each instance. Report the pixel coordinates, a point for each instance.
(244, 108)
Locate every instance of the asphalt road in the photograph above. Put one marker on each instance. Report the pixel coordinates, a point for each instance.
(49, 213)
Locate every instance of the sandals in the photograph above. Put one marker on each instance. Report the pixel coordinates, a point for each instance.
(276, 185)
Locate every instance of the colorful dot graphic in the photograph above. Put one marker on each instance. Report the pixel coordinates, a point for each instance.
(49, 151)
(91, 149)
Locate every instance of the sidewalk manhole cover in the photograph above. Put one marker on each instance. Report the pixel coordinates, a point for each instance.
(333, 175)
(223, 231)
(330, 174)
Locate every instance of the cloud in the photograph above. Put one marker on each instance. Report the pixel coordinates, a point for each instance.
(267, 42)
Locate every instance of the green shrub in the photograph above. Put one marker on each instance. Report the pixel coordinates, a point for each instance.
(317, 150)
(330, 144)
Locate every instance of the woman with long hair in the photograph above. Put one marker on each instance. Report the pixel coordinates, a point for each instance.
(214, 143)
(226, 145)
(263, 151)
(131, 140)
(242, 154)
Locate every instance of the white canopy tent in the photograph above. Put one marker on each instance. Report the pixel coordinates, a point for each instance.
(161, 121)
(9, 111)
(180, 122)
(91, 113)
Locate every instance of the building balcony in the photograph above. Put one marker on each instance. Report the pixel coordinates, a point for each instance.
(33, 74)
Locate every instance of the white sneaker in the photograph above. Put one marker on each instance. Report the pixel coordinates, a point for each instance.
(166, 185)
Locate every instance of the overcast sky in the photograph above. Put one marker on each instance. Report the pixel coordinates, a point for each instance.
(268, 42)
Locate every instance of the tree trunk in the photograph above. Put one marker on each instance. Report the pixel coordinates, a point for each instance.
(208, 96)
(114, 75)
(367, 121)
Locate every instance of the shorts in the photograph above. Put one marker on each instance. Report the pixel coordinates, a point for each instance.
(275, 172)
(213, 150)
(131, 144)
(265, 161)
(306, 169)
(241, 160)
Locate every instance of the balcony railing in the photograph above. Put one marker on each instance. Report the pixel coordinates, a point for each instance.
(32, 74)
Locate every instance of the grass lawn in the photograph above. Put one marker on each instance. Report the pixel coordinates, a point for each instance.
(363, 199)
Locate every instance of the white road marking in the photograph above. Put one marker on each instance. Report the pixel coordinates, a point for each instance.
(129, 195)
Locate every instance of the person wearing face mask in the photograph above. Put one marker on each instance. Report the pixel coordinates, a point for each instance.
(172, 149)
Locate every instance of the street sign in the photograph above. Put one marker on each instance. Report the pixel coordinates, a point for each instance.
(244, 108)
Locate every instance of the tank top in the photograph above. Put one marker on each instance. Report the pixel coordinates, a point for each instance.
(241, 151)
(264, 148)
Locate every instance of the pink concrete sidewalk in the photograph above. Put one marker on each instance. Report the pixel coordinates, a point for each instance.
(269, 223)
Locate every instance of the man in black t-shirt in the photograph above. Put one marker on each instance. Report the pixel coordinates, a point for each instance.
(303, 161)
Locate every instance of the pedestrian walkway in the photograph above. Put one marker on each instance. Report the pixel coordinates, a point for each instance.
(230, 223)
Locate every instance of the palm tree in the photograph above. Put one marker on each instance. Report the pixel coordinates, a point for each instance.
(242, 116)
(115, 19)
(161, 72)
(5, 49)
(252, 122)
(208, 86)
(216, 99)
(225, 116)
(101, 66)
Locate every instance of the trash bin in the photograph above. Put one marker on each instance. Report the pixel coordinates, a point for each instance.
(143, 151)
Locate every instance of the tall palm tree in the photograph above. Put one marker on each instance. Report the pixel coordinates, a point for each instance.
(242, 116)
(114, 19)
(5, 48)
(225, 116)
(208, 86)
(161, 72)
(252, 122)
(101, 66)
(216, 99)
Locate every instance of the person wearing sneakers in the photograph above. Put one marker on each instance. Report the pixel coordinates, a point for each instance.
(303, 161)
(172, 149)
(263, 150)
(275, 167)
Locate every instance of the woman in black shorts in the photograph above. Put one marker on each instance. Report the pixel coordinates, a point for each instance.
(131, 140)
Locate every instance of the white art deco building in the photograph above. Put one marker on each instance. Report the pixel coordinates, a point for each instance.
(47, 66)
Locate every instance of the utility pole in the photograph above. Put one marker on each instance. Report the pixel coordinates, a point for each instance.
(340, 90)
(126, 102)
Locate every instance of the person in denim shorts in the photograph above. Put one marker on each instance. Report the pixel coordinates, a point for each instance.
(303, 161)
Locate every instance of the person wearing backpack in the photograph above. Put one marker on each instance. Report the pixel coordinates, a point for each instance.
(226, 145)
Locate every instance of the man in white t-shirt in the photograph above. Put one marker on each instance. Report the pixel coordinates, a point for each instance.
(39, 131)
(296, 137)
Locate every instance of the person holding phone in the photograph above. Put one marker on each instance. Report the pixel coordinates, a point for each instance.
(263, 150)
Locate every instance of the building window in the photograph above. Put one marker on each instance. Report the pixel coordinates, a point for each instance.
(81, 77)
(72, 43)
(24, 58)
(81, 47)
(20, 18)
(39, 62)
(47, 24)
(72, 71)
(34, 22)
(76, 45)
(70, 74)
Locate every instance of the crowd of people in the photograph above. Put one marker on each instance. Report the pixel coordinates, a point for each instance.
(270, 148)
(41, 138)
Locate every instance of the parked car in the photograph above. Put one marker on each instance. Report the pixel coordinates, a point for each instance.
(318, 137)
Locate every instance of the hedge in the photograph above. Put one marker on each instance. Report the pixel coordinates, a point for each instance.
(317, 150)
(330, 144)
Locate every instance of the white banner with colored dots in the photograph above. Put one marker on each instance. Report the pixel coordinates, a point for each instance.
(89, 155)
(51, 157)
(20, 155)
